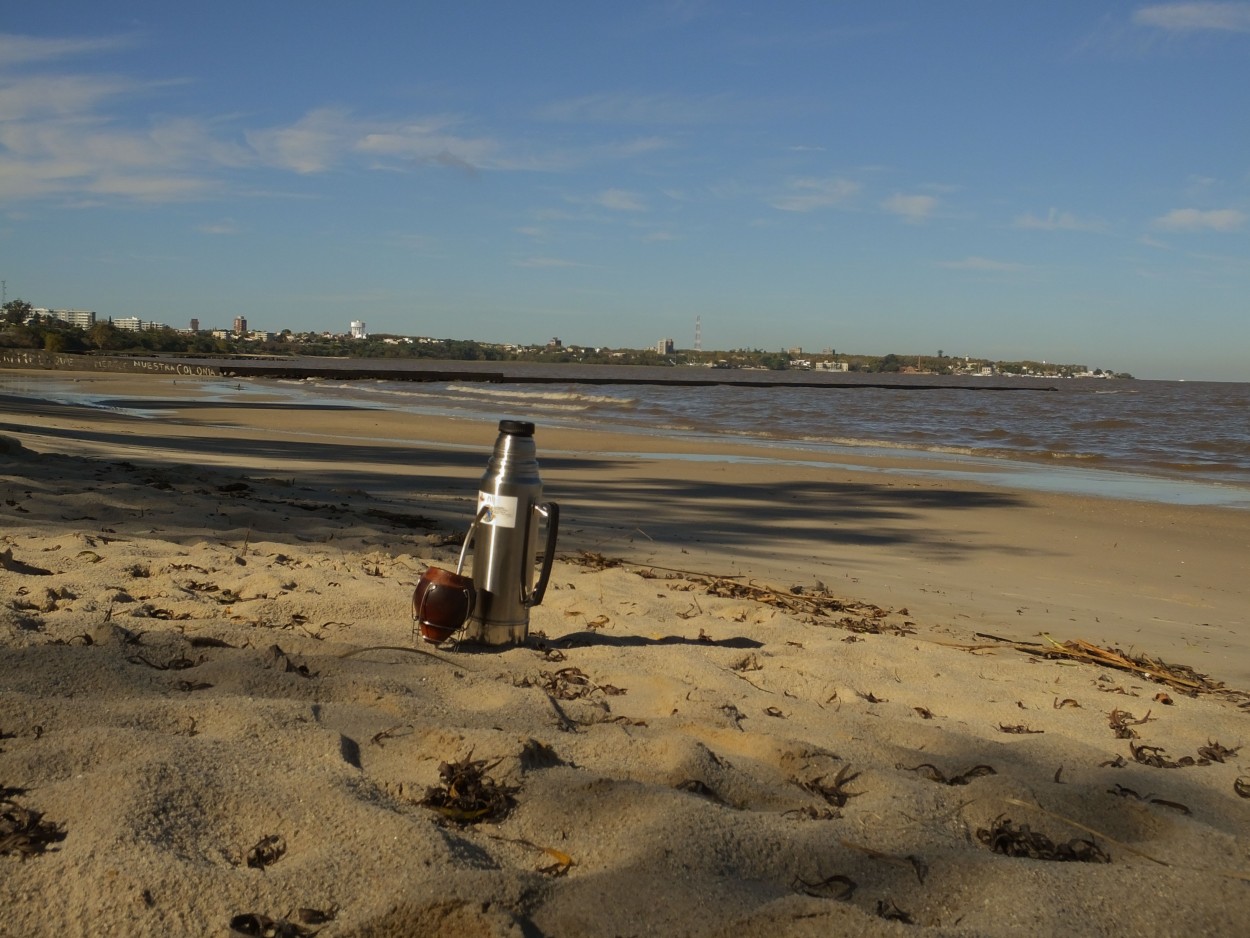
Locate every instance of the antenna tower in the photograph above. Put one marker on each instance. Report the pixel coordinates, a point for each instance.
(698, 333)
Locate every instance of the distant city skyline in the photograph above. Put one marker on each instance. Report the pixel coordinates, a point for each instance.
(1066, 181)
(358, 330)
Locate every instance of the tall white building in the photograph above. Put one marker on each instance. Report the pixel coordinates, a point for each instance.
(135, 324)
(358, 330)
(83, 318)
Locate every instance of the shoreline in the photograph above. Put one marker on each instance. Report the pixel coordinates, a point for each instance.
(180, 402)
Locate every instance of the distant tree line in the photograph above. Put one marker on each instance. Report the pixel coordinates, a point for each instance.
(21, 327)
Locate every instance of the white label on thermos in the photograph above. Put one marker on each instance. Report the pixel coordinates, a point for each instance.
(502, 512)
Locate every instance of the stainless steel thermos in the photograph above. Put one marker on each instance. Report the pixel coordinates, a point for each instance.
(505, 539)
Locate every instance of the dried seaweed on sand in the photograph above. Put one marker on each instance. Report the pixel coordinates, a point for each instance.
(467, 794)
(1003, 837)
(815, 604)
(934, 774)
(266, 852)
(23, 831)
(834, 792)
(1177, 676)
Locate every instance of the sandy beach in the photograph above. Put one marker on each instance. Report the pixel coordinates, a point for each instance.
(763, 696)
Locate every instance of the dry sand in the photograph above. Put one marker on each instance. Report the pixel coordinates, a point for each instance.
(187, 703)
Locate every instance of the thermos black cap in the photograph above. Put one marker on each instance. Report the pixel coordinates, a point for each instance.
(516, 427)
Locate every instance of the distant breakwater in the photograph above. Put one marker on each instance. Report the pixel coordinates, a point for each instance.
(278, 369)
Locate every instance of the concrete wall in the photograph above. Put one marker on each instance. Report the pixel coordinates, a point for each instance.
(55, 361)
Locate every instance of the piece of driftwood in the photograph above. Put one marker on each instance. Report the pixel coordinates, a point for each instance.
(1180, 677)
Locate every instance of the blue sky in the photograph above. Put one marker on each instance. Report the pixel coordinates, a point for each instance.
(1063, 181)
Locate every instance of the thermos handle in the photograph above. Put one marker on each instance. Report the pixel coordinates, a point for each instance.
(552, 511)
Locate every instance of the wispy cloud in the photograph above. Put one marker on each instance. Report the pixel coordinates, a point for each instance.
(449, 160)
(981, 263)
(77, 151)
(1192, 219)
(1055, 220)
(313, 144)
(1139, 33)
(26, 50)
(913, 209)
(808, 195)
(49, 96)
(620, 200)
(625, 149)
(147, 187)
(227, 226)
(1195, 17)
(80, 137)
(325, 138)
(89, 138)
(1196, 184)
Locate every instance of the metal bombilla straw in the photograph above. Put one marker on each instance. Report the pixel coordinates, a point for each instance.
(468, 538)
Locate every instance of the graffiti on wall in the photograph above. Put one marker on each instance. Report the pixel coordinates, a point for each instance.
(58, 361)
